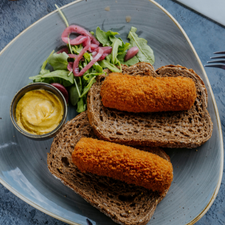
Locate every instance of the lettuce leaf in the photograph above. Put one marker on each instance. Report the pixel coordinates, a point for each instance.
(88, 86)
(145, 53)
(81, 105)
(122, 49)
(58, 76)
(115, 45)
(106, 64)
(43, 69)
(129, 62)
(104, 37)
(58, 61)
(77, 49)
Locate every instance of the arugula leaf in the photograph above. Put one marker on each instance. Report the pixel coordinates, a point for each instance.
(77, 48)
(87, 56)
(87, 88)
(58, 61)
(116, 43)
(78, 85)
(62, 15)
(58, 76)
(87, 76)
(69, 45)
(106, 64)
(123, 47)
(145, 53)
(98, 68)
(81, 105)
(129, 62)
(74, 96)
(75, 91)
(43, 70)
(104, 37)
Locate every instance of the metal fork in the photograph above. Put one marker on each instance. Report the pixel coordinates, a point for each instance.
(219, 61)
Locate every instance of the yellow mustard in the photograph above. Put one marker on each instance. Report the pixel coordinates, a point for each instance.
(39, 112)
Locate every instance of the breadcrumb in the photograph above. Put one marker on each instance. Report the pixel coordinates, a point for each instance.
(123, 163)
(148, 94)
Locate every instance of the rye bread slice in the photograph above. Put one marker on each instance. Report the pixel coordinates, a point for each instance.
(123, 203)
(183, 129)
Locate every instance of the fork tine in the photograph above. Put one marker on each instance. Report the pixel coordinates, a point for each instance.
(221, 52)
(222, 66)
(216, 61)
(218, 57)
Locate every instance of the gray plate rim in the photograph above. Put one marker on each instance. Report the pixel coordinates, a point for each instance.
(200, 215)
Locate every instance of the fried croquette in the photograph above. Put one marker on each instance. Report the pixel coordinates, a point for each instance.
(147, 94)
(123, 163)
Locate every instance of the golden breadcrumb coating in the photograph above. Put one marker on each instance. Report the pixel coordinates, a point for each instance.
(123, 163)
(147, 94)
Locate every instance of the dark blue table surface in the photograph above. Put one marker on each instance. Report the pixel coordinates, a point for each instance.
(206, 36)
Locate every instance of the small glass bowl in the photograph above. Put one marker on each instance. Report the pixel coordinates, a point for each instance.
(31, 87)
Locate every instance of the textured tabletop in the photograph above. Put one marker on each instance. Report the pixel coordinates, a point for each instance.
(206, 37)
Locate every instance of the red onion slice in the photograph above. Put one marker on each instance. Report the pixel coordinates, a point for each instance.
(70, 66)
(93, 47)
(63, 50)
(62, 89)
(72, 56)
(77, 60)
(88, 66)
(79, 30)
(103, 56)
(131, 53)
(106, 51)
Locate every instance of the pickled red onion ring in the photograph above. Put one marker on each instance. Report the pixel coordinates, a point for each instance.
(62, 89)
(77, 60)
(106, 51)
(79, 30)
(131, 53)
(93, 47)
(63, 50)
(78, 40)
(70, 66)
(72, 56)
(88, 66)
(103, 56)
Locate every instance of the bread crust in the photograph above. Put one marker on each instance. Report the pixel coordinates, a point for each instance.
(124, 204)
(184, 129)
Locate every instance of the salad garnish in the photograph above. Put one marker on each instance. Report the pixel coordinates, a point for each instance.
(75, 66)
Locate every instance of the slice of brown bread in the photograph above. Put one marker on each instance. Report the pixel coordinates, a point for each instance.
(125, 204)
(183, 129)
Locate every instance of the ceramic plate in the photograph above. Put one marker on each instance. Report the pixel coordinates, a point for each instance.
(23, 166)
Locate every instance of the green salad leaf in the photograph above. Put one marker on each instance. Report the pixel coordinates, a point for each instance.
(58, 61)
(104, 37)
(123, 48)
(62, 15)
(106, 64)
(74, 96)
(129, 62)
(43, 69)
(115, 45)
(58, 76)
(78, 87)
(88, 86)
(98, 69)
(145, 53)
(81, 105)
(77, 49)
